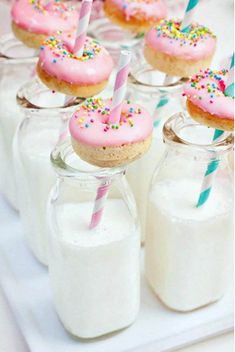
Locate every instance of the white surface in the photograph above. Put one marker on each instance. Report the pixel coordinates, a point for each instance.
(11, 339)
(27, 287)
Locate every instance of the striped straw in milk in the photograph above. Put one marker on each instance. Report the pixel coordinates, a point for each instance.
(120, 86)
(98, 209)
(162, 102)
(189, 13)
(209, 175)
(84, 17)
(214, 164)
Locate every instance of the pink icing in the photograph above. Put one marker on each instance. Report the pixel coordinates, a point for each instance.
(198, 44)
(45, 16)
(57, 59)
(88, 124)
(148, 9)
(206, 90)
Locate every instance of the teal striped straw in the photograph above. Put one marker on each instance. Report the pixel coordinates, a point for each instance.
(189, 13)
(214, 164)
(229, 90)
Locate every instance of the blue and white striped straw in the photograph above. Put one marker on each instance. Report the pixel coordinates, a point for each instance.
(209, 175)
(163, 100)
(214, 164)
(229, 90)
(189, 13)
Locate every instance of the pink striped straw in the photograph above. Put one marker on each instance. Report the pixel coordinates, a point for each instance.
(120, 86)
(84, 17)
(101, 196)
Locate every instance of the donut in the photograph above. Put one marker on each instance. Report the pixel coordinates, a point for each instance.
(35, 20)
(135, 15)
(61, 70)
(106, 145)
(206, 101)
(177, 53)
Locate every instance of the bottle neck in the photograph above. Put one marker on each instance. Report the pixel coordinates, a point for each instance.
(146, 80)
(186, 137)
(36, 100)
(70, 167)
(13, 51)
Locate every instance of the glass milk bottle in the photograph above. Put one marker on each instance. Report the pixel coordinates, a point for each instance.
(114, 38)
(94, 247)
(188, 247)
(16, 67)
(44, 120)
(161, 100)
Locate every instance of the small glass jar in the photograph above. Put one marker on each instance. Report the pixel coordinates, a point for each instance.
(188, 259)
(94, 272)
(114, 38)
(16, 67)
(45, 121)
(145, 87)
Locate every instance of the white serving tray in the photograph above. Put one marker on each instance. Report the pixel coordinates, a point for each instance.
(26, 286)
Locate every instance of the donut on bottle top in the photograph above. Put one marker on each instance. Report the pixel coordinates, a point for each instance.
(206, 101)
(34, 20)
(61, 70)
(178, 53)
(135, 15)
(103, 144)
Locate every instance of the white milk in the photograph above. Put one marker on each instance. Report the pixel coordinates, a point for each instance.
(140, 172)
(12, 76)
(188, 256)
(95, 274)
(35, 179)
(139, 175)
(10, 116)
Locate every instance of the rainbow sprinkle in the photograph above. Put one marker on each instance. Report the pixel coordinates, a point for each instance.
(215, 87)
(60, 49)
(171, 29)
(58, 7)
(98, 105)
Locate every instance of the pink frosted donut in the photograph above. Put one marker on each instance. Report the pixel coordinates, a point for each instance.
(136, 15)
(63, 71)
(103, 144)
(34, 20)
(177, 53)
(206, 101)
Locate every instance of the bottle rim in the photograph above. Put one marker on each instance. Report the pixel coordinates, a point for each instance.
(60, 161)
(172, 137)
(32, 89)
(11, 51)
(140, 69)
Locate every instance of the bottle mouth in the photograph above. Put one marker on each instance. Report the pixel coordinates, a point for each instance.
(182, 131)
(111, 35)
(12, 50)
(35, 96)
(152, 81)
(68, 164)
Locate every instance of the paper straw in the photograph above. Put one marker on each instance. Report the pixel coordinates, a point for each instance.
(120, 86)
(84, 17)
(214, 164)
(189, 14)
(209, 175)
(162, 101)
(229, 90)
(98, 209)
